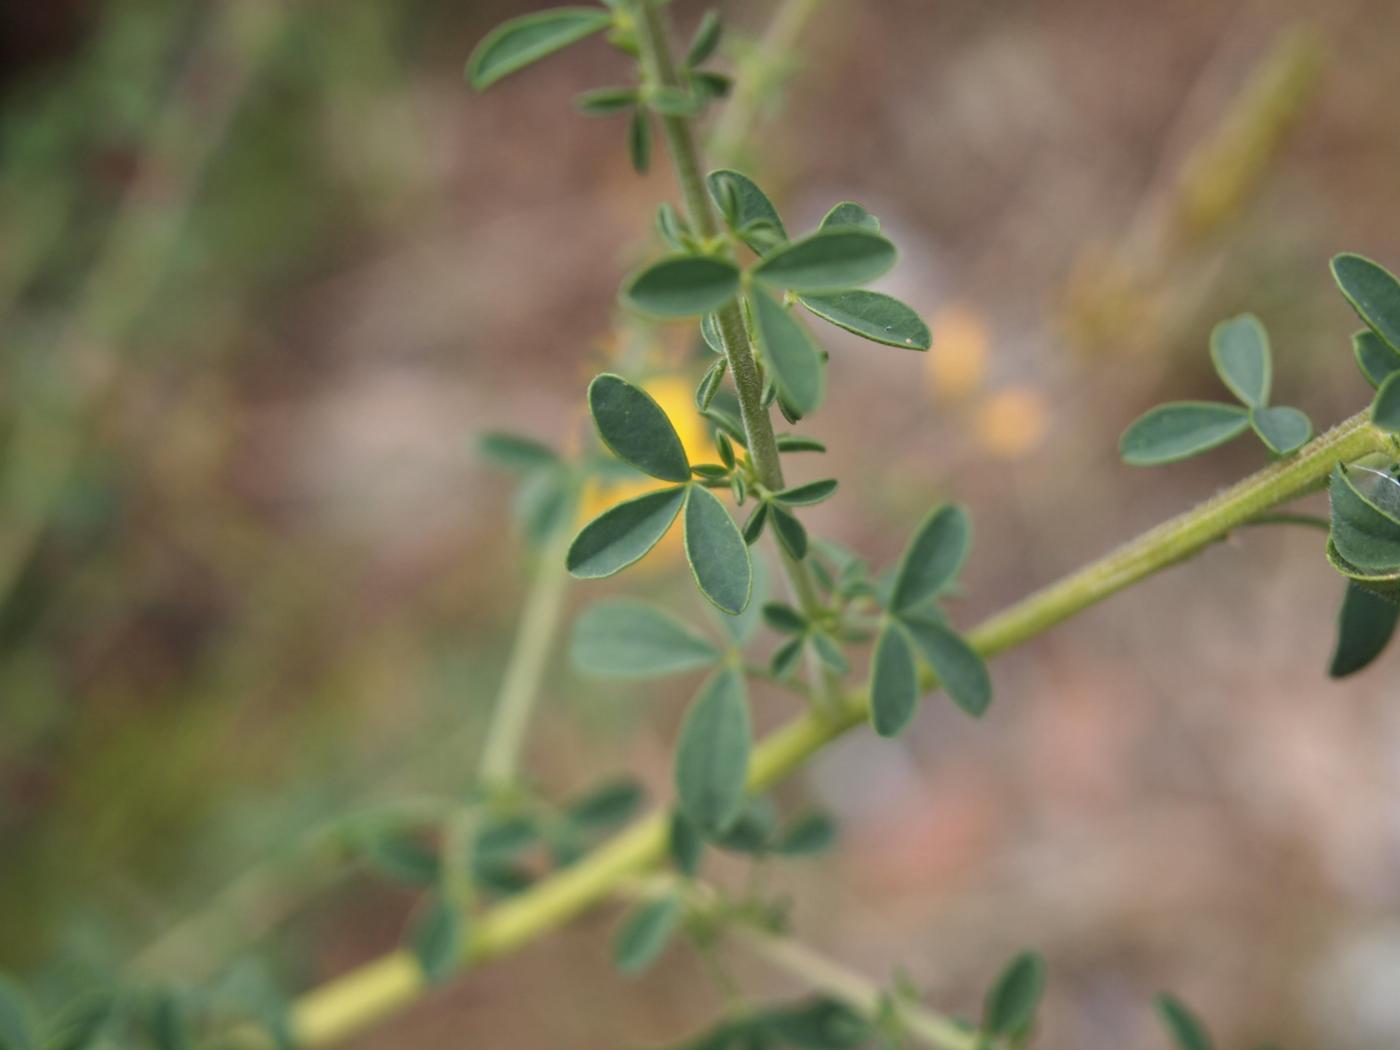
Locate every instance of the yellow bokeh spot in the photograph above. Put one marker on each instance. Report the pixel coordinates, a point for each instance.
(1012, 422)
(676, 398)
(957, 361)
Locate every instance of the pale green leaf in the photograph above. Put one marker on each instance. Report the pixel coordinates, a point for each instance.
(933, 557)
(521, 41)
(712, 758)
(1282, 428)
(1239, 348)
(1179, 430)
(626, 638)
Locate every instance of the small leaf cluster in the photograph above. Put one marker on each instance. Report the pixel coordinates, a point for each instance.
(1239, 349)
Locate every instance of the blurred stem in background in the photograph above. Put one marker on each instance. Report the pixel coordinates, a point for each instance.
(51, 424)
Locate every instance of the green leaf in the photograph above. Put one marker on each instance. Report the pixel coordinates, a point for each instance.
(1385, 410)
(749, 203)
(799, 443)
(401, 858)
(818, 1024)
(789, 530)
(639, 141)
(1179, 430)
(712, 758)
(785, 657)
(933, 559)
(626, 638)
(826, 261)
(710, 384)
(714, 85)
(829, 652)
(753, 831)
(1186, 1031)
(1239, 348)
(808, 835)
(960, 670)
(1385, 582)
(636, 428)
(1374, 357)
(437, 939)
(676, 102)
(80, 1023)
(514, 452)
(894, 681)
(793, 360)
(521, 41)
(545, 503)
(682, 286)
(684, 843)
(1365, 625)
(710, 333)
(783, 617)
(1365, 534)
(504, 836)
(706, 39)
(622, 535)
(849, 213)
(1373, 292)
(607, 805)
(17, 1027)
(644, 935)
(807, 495)
(871, 315)
(605, 102)
(1282, 428)
(1010, 1006)
(717, 553)
(671, 226)
(753, 527)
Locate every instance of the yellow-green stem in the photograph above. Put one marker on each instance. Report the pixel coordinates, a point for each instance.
(347, 1004)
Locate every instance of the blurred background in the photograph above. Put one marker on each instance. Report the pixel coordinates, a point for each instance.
(268, 269)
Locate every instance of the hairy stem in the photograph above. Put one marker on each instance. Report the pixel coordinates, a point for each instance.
(862, 995)
(349, 1003)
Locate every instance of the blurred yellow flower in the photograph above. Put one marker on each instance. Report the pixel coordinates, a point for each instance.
(1012, 422)
(957, 362)
(675, 396)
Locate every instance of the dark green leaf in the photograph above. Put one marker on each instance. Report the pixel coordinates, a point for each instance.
(747, 202)
(1239, 348)
(717, 553)
(706, 39)
(960, 671)
(714, 85)
(1364, 533)
(1365, 625)
(636, 428)
(79, 1024)
(605, 102)
(826, 261)
(17, 1027)
(521, 41)
(1283, 429)
(849, 213)
(606, 806)
(515, 452)
(933, 559)
(644, 935)
(753, 528)
(1011, 1004)
(709, 384)
(798, 443)
(894, 681)
(785, 657)
(403, 859)
(809, 834)
(789, 530)
(1179, 430)
(1186, 1031)
(1373, 292)
(783, 617)
(622, 535)
(792, 359)
(626, 638)
(1385, 410)
(725, 447)
(753, 831)
(1386, 582)
(710, 333)
(504, 836)
(685, 844)
(1374, 357)
(808, 494)
(819, 1024)
(639, 140)
(683, 286)
(170, 1024)
(437, 939)
(712, 758)
(871, 315)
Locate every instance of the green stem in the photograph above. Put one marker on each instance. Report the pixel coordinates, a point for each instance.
(347, 1004)
(853, 989)
(660, 68)
(539, 622)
